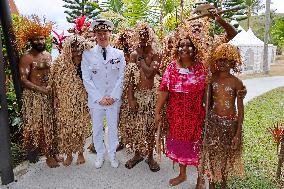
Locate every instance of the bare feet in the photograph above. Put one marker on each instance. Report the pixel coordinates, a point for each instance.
(92, 149)
(134, 161)
(212, 186)
(153, 165)
(33, 156)
(51, 162)
(68, 160)
(120, 146)
(81, 159)
(201, 183)
(224, 185)
(59, 158)
(176, 181)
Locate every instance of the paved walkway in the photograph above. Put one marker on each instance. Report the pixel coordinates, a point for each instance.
(258, 86)
(39, 176)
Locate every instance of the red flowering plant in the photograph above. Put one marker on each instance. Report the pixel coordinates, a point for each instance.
(81, 26)
(277, 132)
(58, 40)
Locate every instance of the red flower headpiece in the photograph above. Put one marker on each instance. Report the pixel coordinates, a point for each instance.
(81, 26)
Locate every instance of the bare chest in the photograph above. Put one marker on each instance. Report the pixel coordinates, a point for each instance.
(223, 88)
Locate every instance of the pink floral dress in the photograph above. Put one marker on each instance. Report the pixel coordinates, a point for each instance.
(185, 113)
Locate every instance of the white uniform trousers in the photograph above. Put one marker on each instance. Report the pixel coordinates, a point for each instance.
(98, 116)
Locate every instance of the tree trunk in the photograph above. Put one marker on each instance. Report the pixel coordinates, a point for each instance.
(280, 159)
(161, 20)
(266, 35)
(6, 169)
(181, 14)
(249, 16)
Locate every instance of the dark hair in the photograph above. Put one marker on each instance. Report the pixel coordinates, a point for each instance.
(175, 51)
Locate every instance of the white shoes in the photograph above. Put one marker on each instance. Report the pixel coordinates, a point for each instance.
(114, 163)
(99, 163)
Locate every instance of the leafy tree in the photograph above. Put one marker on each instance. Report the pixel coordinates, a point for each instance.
(257, 24)
(77, 8)
(226, 4)
(252, 8)
(240, 14)
(136, 10)
(162, 15)
(126, 13)
(165, 15)
(277, 32)
(116, 6)
(173, 12)
(114, 10)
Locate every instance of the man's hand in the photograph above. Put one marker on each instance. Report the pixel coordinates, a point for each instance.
(140, 60)
(155, 65)
(236, 142)
(214, 13)
(103, 102)
(45, 90)
(208, 79)
(242, 93)
(55, 102)
(133, 106)
(49, 90)
(106, 101)
(158, 119)
(109, 100)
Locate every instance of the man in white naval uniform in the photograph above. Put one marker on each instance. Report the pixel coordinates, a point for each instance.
(102, 72)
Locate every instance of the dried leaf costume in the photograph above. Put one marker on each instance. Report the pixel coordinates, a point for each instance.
(137, 129)
(123, 42)
(219, 157)
(167, 54)
(37, 111)
(204, 42)
(71, 111)
(141, 27)
(38, 124)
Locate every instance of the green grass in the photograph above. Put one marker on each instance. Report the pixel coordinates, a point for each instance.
(260, 155)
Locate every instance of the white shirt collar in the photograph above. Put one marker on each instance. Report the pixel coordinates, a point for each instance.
(100, 48)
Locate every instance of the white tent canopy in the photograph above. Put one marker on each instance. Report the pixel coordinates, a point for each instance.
(253, 38)
(251, 48)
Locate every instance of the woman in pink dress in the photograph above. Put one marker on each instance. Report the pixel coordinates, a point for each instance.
(182, 88)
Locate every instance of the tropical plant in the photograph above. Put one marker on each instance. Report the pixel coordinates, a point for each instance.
(114, 10)
(277, 32)
(116, 6)
(173, 12)
(162, 15)
(78, 8)
(58, 40)
(136, 10)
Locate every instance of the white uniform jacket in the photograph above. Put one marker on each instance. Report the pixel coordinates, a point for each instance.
(103, 77)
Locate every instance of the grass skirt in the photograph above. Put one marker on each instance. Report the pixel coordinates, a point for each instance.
(220, 158)
(38, 127)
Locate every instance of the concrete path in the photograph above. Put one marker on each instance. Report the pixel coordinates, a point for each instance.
(258, 86)
(39, 176)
